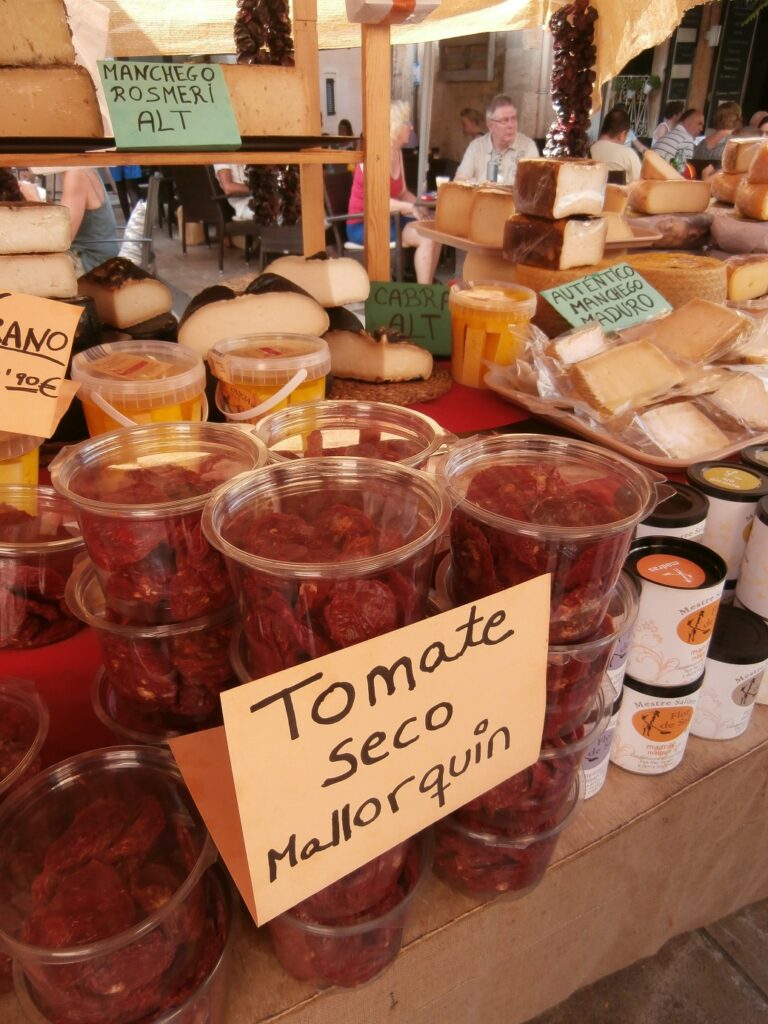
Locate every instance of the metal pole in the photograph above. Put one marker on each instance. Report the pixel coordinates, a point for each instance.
(426, 88)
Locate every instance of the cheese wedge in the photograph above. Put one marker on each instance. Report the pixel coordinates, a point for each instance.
(557, 244)
(737, 154)
(56, 101)
(698, 330)
(683, 431)
(125, 295)
(581, 343)
(48, 275)
(618, 229)
(625, 377)
(488, 266)
(681, 276)
(752, 200)
(723, 186)
(747, 276)
(269, 99)
(454, 207)
(757, 172)
(34, 227)
(669, 196)
(560, 188)
(656, 168)
(359, 356)
(331, 282)
(35, 33)
(490, 209)
(744, 398)
(616, 198)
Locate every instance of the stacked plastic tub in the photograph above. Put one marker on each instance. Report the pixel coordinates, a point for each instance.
(522, 506)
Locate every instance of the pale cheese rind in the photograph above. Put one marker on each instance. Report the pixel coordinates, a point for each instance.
(683, 431)
(35, 32)
(34, 227)
(560, 188)
(616, 198)
(56, 101)
(625, 377)
(757, 172)
(747, 276)
(669, 196)
(49, 275)
(557, 244)
(454, 207)
(331, 282)
(358, 356)
(744, 398)
(737, 154)
(752, 200)
(724, 185)
(656, 168)
(490, 209)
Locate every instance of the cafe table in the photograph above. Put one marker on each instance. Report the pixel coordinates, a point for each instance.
(646, 859)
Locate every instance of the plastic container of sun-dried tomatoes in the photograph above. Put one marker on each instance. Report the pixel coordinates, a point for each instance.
(39, 541)
(352, 949)
(373, 430)
(104, 902)
(139, 493)
(527, 504)
(160, 680)
(326, 553)
(485, 861)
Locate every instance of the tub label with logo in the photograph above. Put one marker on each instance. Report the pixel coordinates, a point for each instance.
(732, 478)
(671, 571)
(652, 731)
(752, 585)
(672, 634)
(727, 699)
(728, 528)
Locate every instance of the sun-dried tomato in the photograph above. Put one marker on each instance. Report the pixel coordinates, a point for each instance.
(359, 610)
(370, 445)
(360, 890)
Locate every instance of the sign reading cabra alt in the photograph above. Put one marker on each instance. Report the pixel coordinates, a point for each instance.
(154, 105)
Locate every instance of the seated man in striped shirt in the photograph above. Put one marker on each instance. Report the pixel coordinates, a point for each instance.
(677, 145)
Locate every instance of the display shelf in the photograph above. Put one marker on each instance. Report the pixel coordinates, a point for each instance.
(108, 157)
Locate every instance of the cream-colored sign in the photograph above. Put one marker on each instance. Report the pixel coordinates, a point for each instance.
(35, 343)
(335, 761)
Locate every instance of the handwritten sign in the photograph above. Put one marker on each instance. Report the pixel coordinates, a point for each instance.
(166, 106)
(36, 338)
(331, 763)
(616, 297)
(419, 311)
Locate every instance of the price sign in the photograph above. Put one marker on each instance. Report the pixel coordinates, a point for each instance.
(36, 338)
(332, 763)
(154, 105)
(616, 297)
(418, 311)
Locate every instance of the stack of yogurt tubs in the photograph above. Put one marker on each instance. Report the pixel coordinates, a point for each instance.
(155, 591)
(522, 506)
(326, 553)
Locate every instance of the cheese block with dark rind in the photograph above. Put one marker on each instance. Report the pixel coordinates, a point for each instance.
(560, 188)
(331, 281)
(125, 294)
(556, 244)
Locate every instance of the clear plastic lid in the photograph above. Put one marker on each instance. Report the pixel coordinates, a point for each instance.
(13, 446)
(36, 521)
(139, 374)
(25, 719)
(269, 360)
(495, 297)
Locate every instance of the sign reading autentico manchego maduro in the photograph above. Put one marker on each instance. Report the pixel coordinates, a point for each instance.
(335, 761)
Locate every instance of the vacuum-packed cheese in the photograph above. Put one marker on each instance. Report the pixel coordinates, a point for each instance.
(35, 32)
(34, 227)
(683, 431)
(738, 154)
(723, 186)
(490, 209)
(557, 244)
(50, 275)
(625, 377)
(454, 207)
(698, 330)
(560, 188)
(56, 101)
(745, 398)
(669, 196)
(747, 276)
(752, 200)
(656, 168)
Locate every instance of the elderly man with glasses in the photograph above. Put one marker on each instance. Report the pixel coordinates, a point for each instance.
(494, 156)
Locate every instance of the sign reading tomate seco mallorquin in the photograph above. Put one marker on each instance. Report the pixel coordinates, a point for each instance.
(154, 105)
(335, 761)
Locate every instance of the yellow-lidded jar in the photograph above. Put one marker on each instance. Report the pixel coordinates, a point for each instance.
(124, 383)
(261, 373)
(19, 459)
(488, 325)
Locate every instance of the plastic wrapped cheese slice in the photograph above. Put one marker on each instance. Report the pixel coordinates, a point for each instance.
(625, 377)
(698, 330)
(745, 398)
(558, 244)
(683, 431)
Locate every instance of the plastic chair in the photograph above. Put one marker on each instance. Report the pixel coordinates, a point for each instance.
(337, 187)
(202, 200)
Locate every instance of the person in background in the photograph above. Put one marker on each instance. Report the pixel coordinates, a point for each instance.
(494, 156)
(672, 114)
(472, 123)
(612, 149)
(728, 119)
(94, 229)
(763, 126)
(234, 185)
(757, 118)
(677, 145)
(345, 127)
(400, 199)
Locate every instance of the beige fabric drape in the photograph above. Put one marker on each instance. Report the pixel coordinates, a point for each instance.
(173, 27)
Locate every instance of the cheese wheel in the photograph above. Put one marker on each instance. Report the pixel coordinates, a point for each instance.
(49, 275)
(34, 227)
(680, 276)
(35, 34)
(669, 196)
(757, 172)
(539, 279)
(490, 209)
(331, 281)
(733, 233)
(454, 207)
(737, 154)
(656, 168)
(56, 101)
(752, 200)
(747, 277)
(723, 186)
(488, 266)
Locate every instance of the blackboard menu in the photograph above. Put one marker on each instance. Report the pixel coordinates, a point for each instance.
(734, 51)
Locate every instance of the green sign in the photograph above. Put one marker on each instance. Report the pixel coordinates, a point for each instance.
(154, 105)
(616, 297)
(418, 311)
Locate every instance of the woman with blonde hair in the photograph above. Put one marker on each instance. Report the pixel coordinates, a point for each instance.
(401, 200)
(728, 119)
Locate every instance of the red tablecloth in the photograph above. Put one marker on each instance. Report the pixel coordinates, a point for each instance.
(464, 409)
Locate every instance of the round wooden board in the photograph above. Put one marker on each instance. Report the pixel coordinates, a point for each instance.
(405, 392)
